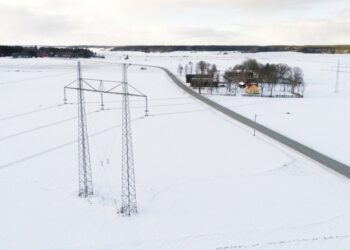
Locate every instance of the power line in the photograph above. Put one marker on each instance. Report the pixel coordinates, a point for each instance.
(34, 78)
(44, 152)
(60, 121)
(91, 102)
(41, 127)
(30, 112)
(118, 108)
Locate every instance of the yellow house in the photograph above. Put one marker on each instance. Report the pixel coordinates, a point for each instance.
(251, 89)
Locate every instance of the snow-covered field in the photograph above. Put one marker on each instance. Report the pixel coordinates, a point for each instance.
(203, 181)
(320, 120)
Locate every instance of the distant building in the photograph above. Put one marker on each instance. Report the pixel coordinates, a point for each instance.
(201, 80)
(242, 76)
(189, 77)
(203, 83)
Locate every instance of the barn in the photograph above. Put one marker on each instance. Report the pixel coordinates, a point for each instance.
(201, 80)
(203, 83)
(189, 77)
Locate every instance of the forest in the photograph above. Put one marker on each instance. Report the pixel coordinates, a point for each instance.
(327, 49)
(34, 51)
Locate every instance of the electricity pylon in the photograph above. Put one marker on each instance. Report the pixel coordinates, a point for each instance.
(85, 175)
(129, 204)
(339, 69)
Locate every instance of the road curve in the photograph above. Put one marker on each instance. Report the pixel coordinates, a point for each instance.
(333, 164)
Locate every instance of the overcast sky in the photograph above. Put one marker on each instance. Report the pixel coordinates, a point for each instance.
(134, 22)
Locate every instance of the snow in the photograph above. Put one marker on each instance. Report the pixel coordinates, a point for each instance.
(203, 181)
(301, 119)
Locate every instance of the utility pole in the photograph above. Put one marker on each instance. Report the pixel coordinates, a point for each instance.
(129, 204)
(85, 175)
(339, 69)
(336, 90)
(101, 88)
(255, 116)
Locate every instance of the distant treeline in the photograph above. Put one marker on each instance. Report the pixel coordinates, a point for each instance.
(27, 52)
(331, 49)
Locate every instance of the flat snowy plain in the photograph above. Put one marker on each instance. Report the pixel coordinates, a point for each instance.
(203, 181)
(319, 120)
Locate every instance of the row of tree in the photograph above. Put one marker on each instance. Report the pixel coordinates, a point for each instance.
(251, 70)
(27, 52)
(244, 49)
(203, 68)
(267, 76)
(271, 79)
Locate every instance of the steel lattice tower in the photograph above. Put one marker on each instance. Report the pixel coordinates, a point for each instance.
(85, 176)
(129, 204)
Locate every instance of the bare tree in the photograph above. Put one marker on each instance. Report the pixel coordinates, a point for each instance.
(232, 76)
(191, 67)
(180, 69)
(267, 77)
(213, 70)
(251, 64)
(283, 72)
(202, 67)
(297, 81)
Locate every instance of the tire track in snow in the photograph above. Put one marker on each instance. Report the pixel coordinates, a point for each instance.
(284, 242)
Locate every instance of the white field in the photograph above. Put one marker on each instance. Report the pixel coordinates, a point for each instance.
(203, 180)
(320, 120)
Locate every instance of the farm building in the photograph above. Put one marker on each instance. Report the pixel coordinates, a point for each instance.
(201, 80)
(189, 77)
(203, 83)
